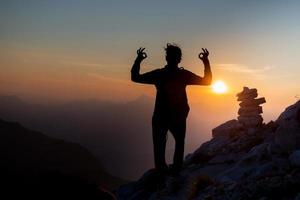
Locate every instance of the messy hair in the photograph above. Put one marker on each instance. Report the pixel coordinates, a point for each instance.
(173, 50)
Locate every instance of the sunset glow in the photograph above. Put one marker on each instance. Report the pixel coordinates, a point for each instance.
(66, 70)
(219, 87)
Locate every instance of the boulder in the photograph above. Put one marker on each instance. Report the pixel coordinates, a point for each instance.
(208, 150)
(295, 158)
(248, 165)
(228, 129)
(287, 136)
(291, 113)
(298, 196)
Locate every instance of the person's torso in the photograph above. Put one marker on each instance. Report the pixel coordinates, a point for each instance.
(171, 98)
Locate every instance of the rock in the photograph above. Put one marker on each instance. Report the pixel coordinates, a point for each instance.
(247, 91)
(125, 191)
(141, 194)
(249, 111)
(247, 165)
(251, 108)
(249, 114)
(245, 110)
(245, 159)
(225, 158)
(295, 158)
(142, 188)
(253, 102)
(247, 97)
(251, 121)
(297, 196)
(228, 129)
(287, 136)
(188, 158)
(194, 183)
(291, 113)
(208, 150)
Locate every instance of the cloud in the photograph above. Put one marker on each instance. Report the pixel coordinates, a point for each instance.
(244, 68)
(107, 79)
(258, 72)
(94, 64)
(107, 69)
(83, 64)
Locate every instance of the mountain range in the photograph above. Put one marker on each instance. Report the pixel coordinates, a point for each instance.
(113, 131)
(33, 164)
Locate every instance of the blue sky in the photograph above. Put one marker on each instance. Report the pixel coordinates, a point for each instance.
(63, 42)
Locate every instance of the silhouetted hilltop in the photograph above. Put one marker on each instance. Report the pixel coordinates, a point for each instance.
(11, 99)
(34, 163)
(246, 159)
(97, 124)
(94, 124)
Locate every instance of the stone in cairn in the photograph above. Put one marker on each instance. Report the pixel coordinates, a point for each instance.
(250, 109)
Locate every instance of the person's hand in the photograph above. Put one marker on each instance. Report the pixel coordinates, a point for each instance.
(141, 55)
(204, 55)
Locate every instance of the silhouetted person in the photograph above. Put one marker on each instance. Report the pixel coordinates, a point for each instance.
(171, 105)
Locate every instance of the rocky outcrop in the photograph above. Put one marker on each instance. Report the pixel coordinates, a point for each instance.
(228, 129)
(242, 161)
(250, 109)
(287, 136)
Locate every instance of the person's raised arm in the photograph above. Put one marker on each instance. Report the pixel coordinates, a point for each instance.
(135, 70)
(149, 77)
(193, 79)
(206, 80)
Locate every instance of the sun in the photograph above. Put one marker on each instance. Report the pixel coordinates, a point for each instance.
(219, 87)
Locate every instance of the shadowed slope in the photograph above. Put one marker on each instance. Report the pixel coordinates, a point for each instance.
(33, 162)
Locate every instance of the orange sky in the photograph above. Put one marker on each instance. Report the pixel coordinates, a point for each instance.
(53, 52)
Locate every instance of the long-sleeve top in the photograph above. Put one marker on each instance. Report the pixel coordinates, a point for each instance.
(171, 98)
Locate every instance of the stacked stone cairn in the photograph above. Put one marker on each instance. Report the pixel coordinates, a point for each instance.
(250, 109)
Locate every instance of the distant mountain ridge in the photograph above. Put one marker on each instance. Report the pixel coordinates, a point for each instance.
(113, 131)
(10, 99)
(30, 158)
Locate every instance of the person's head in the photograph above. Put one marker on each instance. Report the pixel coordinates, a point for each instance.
(173, 54)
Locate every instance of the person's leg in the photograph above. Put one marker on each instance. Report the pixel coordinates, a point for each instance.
(159, 134)
(178, 131)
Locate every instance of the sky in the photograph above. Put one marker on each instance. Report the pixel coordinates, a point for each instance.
(57, 51)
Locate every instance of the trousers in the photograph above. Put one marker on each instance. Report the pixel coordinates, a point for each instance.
(160, 128)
